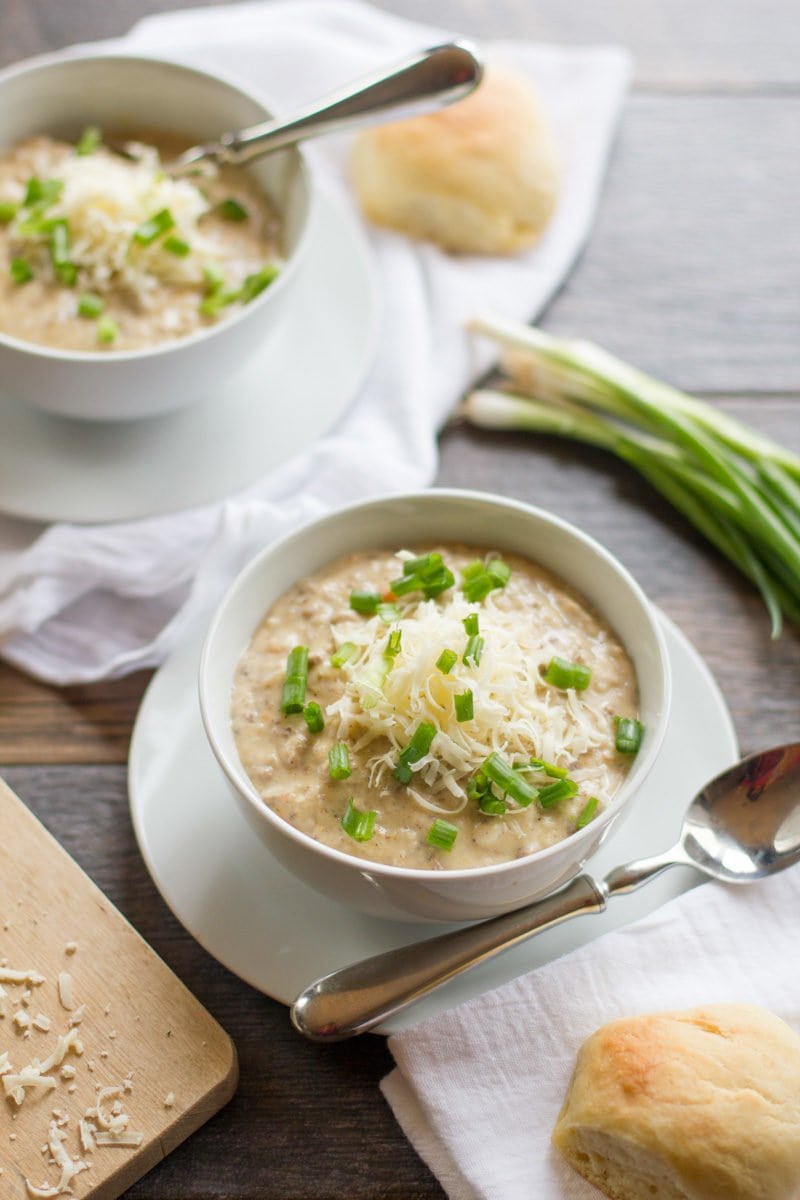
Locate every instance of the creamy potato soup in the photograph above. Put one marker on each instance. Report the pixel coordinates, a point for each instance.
(435, 708)
(101, 250)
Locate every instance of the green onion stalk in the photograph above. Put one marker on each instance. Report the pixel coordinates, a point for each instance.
(738, 488)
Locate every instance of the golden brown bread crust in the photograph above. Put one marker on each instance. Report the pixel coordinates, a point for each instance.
(695, 1105)
(479, 176)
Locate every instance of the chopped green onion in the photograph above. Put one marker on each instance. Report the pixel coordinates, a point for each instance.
(426, 574)
(255, 284)
(343, 654)
(629, 734)
(562, 789)
(339, 761)
(89, 141)
(365, 603)
(499, 571)
(587, 812)
(107, 330)
(314, 719)
(42, 192)
(90, 305)
(442, 835)
(508, 780)
(211, 304)
(416, 749)
(562, 673)
(8, 210)
(59, 243)
(393, 643)
(477, 786)
(446, 661)
(36, 225)
(472, 570)
(358, 825)
(491, 804)
(177, 246)
(232, 210)
(214, 278)
(20, 270)
(67, 273)
(151, 229)
(478, 588)
(464, 706)
(549, 768)
(471, 624)
(372, 679)
(473, 651)
(425, 565)
(293, 693)
(388, 612)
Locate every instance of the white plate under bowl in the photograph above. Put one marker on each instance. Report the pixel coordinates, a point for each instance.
(288, 395)
(272, 931)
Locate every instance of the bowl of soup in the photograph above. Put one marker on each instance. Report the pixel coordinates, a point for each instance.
(126, 289)
(435, 706)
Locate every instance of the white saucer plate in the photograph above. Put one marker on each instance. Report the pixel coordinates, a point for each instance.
(293, 391)
(272, 931)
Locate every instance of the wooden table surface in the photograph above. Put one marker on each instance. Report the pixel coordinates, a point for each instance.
(692, 271)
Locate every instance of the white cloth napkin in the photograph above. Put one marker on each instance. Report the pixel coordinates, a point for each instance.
(478, 1089)
(78, 602)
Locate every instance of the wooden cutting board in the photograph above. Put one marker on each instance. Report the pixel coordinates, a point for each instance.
(139, 1028)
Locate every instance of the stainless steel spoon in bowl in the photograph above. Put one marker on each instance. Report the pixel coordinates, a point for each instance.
(421, 83)
(743, 826)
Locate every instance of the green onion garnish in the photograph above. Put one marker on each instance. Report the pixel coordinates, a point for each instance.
(255, 284)
(477, 579)
(89, 140)
(232, 210)
(388, 612)
(107, 330)
(562, 789)
(426, 574)
(67, 274)
(499, 571)
(471, 624)
(313, 717)
(464, 706)
(446, 661)
(491, 804)
(211, 304)
(442, 835)
(478, 786)
(425, 565)
(550, 769)
(339, 761)
(293, 693)
(629, 734)
(416, 749)
(146, 233)
(587, 812)
(562, 673)
(472, 569)
(90, 305)
(343, 654)
(393, 643)
(177, 246)
(365, 603)
(478, 588)
(8, 210)
(474, 650)
(42, 192)
(508, 780)
(358, 825)
(20, 270)
(214, 277)
(59, 243)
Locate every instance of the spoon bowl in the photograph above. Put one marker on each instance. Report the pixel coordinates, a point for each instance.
(742, 826)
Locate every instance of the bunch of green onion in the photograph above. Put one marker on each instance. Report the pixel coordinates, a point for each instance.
(738, 488)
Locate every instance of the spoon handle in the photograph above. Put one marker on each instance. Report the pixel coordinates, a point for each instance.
(426, 81)
(356, 998)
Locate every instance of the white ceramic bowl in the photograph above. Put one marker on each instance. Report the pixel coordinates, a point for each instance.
(62, 95)
(447, 516)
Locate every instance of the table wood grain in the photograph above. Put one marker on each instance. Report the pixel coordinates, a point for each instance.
(692, 272)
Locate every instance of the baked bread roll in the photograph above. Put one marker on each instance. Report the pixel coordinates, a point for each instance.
(477, 177)
(695, 1105)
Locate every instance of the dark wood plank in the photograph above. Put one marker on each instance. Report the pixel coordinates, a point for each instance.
(86, 724)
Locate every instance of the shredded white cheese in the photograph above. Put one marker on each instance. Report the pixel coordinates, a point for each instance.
(516, 714)
(65, 990)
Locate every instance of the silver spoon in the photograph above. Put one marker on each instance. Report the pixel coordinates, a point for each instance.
(426, 81)
(743, 826)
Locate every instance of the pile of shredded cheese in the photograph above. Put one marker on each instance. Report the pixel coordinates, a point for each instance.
(516, 714)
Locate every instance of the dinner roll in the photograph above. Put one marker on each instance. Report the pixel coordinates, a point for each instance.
(479, 176)
(695, 1105)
